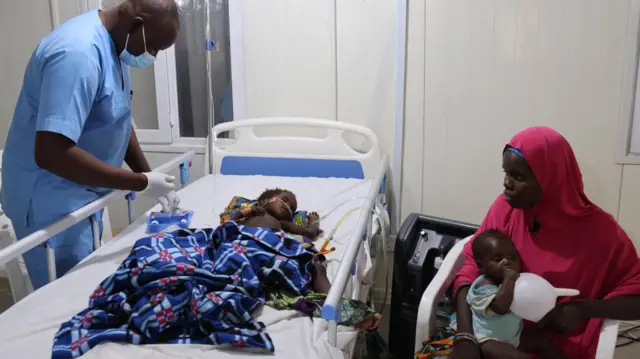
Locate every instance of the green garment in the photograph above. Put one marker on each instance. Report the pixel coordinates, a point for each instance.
(352, 311)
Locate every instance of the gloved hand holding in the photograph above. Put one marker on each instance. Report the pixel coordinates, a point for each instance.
(158, 184)
(169, 202)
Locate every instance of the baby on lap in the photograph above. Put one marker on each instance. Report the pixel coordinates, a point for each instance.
(498, 331)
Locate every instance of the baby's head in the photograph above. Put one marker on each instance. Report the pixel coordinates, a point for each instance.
(493, 249)
(280, 203)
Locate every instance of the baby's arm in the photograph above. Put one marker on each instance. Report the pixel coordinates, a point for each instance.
(247, 212)
(292, 228)
(502, 302)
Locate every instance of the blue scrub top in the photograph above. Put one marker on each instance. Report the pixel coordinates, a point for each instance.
(74, 85)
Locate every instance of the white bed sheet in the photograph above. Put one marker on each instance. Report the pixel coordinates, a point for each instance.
(27, 329)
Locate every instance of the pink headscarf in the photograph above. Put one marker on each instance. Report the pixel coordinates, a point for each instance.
(578, 245)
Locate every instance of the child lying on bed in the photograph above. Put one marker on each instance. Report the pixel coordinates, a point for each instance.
(204, 287)
(283, 205)
(275, 212)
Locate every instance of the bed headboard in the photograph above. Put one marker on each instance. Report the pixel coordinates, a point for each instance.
(293, 147)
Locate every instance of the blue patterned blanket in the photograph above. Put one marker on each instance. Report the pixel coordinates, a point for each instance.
(190, 287)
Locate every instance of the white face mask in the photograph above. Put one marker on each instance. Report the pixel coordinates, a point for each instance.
(141, 61)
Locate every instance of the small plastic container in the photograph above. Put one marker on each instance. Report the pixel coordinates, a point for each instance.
(159, 221)
(534, 297)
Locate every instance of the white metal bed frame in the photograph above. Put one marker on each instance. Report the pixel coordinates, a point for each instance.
(42, 236)
(222, 157)
(246, 142)
(426, 322)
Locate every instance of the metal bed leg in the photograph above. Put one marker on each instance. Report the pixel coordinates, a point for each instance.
(51, 261)
(333, 333)
(95, 228)
(332, 315)
(131, 196)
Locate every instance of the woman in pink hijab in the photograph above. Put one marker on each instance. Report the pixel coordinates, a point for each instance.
(562, 236)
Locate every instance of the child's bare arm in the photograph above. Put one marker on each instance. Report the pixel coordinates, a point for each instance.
(292, 228)
(247, 212)
(502, 302)
(238, 215)
(321, 282)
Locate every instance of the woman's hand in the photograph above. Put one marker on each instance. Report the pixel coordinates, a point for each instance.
(465, 350)
(564, 318)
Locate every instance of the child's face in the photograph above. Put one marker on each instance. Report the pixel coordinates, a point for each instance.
(279, 208)
(499, 254)
(290, 200)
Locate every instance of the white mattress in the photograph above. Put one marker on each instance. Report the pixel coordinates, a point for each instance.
(27, 329)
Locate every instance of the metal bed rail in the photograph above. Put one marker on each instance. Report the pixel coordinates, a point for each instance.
(42, 236)
(331, 308)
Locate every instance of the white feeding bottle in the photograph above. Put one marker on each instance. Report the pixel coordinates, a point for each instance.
(534, 297)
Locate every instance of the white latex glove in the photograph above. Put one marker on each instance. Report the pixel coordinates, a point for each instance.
(169, 202)
(158, 184)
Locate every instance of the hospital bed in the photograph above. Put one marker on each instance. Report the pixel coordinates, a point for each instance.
(330, 171)
(426, 320)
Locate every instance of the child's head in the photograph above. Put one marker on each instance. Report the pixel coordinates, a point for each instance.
(493, 250)
(280, 203)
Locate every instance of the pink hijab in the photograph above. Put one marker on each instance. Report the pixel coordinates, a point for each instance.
(578, 245)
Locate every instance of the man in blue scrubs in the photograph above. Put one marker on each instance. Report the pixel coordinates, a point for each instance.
(72, 129)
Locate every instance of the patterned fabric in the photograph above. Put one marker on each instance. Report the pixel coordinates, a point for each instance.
(191, 287)
(301, 218)
(441, 344)
(352, 311)
(238, 203)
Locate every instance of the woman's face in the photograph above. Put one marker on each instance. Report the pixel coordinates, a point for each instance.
(521, 188)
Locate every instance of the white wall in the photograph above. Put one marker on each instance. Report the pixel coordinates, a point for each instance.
(478, 72)
(291, 66)
(289, 58)
(22, 26)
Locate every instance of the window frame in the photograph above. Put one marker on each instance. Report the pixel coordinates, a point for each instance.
(628, 145)
(167, 137)
(180, 143)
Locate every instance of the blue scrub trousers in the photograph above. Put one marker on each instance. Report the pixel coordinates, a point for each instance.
(70, 247)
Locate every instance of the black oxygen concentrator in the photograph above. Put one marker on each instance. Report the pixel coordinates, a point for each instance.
(421, 245)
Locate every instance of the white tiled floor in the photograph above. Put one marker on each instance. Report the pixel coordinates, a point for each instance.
(628, 352)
